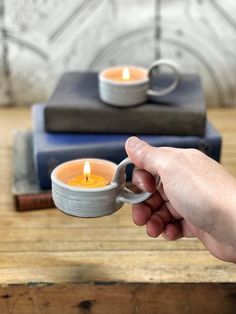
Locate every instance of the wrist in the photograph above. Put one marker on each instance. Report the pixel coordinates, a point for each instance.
(230, 217)
(227, 222)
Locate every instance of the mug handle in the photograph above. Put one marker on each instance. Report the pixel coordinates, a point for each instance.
(168, 89)
(127, 195)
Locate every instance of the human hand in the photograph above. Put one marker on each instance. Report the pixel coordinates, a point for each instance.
(196, 197)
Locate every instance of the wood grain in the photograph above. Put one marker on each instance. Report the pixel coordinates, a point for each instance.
(41, 247)
(118, 298)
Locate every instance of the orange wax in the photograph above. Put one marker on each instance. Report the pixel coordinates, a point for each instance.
(125, 74)
(92, 181)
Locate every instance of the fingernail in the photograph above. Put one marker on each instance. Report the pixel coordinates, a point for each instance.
(140, 185)
(132, 143)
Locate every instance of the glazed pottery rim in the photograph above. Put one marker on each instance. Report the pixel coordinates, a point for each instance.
(108, 187)
(104, 79)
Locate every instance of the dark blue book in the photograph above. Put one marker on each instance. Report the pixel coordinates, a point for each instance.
(51, 149)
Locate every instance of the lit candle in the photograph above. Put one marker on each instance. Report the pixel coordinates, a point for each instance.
(87, 180)
(123, 85)
(125, 74)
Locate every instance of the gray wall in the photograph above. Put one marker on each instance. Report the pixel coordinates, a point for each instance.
(41, 39)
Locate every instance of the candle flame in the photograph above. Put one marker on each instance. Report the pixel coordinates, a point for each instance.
(87, 170)
(126, 74)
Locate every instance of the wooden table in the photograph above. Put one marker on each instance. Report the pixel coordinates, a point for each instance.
(53, 263)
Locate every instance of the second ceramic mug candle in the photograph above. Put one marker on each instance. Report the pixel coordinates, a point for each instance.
(130, 85)
(99, 193)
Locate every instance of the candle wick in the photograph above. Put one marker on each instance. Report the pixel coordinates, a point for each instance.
(86, 178)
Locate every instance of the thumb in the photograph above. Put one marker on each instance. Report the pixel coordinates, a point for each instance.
(143, 155)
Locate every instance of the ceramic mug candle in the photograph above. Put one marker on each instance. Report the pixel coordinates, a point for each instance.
(97, 191)
(129, 85)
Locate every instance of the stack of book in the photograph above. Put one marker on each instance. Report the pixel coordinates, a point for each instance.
(76, 124)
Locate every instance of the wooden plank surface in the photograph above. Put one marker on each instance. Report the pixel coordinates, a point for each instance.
(50, 262)
(118, 298)
(48, 246)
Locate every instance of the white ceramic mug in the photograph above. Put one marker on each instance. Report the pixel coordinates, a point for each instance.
(130, 92)
(93, 202)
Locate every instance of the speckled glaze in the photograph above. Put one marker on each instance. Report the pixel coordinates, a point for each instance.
(131, 93)
(96, 202)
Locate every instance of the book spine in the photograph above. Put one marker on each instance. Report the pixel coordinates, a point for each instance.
(47, 161)
(34, 201)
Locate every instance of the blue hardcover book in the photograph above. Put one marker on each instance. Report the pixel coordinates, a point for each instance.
(51, 149)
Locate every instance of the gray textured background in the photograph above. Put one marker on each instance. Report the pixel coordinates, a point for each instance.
(40, 39)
